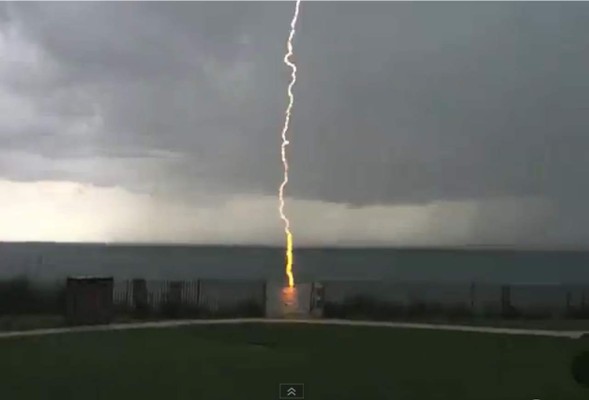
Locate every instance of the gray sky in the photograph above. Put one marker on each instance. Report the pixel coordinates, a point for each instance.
(414, 123)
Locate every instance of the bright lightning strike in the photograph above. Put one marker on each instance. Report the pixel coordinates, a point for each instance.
(285, 142)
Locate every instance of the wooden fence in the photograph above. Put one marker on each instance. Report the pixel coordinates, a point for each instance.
(205, 295)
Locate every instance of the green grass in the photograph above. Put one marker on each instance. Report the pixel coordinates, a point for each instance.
(249, 361)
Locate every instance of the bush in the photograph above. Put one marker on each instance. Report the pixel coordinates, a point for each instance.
(578, 312)
(364, 307)
(510, 312)
(143, 310)
(19, 296)
(250, 309)
(246, 309)
(459, 312)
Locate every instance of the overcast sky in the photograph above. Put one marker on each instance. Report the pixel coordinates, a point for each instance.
(414, 123)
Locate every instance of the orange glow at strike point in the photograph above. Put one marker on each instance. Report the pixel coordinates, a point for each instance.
(285, 142)
(289, 295)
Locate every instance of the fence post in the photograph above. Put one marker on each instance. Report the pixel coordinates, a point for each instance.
(174, 295)
(70, 295)
(312, 297)
(140, 294)
(198, 293)
(128, 294)
(472, 296)
(506, 300)
(264, 297)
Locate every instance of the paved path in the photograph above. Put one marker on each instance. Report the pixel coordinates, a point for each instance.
(174, 323)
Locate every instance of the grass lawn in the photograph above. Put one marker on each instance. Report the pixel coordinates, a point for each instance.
(248, 362)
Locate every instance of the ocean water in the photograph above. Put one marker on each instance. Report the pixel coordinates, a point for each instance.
(50, 261)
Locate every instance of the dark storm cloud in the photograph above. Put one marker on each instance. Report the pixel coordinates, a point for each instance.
(445, 101)
(395, 103)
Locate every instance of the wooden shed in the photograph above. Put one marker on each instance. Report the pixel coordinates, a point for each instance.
(89, 300)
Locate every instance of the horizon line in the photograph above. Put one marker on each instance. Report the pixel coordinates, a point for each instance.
(359, 246)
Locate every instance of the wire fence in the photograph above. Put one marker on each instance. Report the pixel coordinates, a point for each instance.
(402, 300)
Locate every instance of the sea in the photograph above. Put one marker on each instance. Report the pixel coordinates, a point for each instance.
(55, 261)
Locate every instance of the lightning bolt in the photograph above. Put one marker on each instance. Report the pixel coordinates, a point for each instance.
(285, 142)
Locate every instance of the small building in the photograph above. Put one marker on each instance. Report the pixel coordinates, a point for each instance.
(89, 300)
